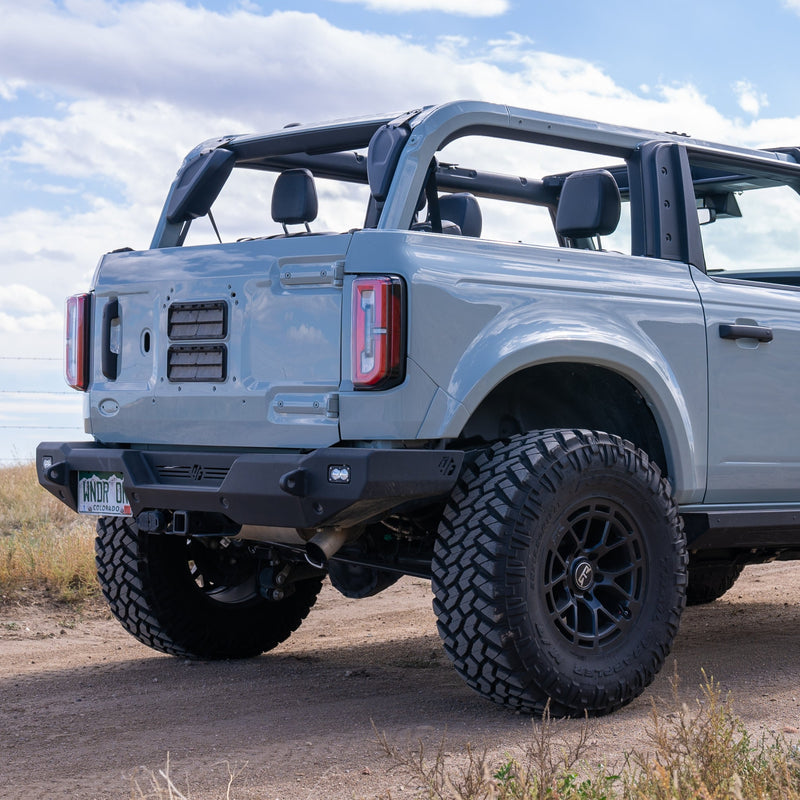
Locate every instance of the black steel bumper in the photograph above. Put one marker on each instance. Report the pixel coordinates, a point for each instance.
(293, 490)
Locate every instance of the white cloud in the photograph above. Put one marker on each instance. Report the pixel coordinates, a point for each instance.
(466, 8)
(792, 5)
(123, 90)
(140, 83)
(266, 67)
(24, 323)
(16, 297)
(28, 318)
(133, 147)
(153, 78)
(750, 99)
(9, 89)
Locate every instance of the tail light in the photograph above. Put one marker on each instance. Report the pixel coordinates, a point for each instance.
(77, 342)
(377, 335)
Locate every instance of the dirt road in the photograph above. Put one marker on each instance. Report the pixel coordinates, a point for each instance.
(85, 709)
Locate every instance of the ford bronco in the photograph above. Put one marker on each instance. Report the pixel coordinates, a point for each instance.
(546, 363)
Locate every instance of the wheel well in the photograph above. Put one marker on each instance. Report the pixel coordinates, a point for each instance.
(567, 396)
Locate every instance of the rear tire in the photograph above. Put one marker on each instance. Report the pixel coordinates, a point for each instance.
(181, 597)
(708, 582)
(559, 573)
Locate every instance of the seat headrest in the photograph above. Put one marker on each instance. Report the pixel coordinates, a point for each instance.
(294, 198)
(589, 206)
(462, 208)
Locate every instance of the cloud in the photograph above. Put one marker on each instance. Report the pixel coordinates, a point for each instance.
(145, 79)
(24, 323)
(133, 86)
(9, 89)
(466, 8)
(792, 5)
(103, 99)
(749, 98)
(166, 52)
(16, 297)
(134, 148)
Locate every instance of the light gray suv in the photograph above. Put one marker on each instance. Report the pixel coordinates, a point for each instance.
(545, 362)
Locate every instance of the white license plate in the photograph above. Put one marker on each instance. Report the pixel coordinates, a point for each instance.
(102, 493)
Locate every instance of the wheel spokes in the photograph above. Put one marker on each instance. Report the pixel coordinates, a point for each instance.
(594, 575)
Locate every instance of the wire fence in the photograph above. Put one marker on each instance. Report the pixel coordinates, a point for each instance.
(31, 358)
(17, 431)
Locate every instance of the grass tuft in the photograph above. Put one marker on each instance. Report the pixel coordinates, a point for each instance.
(699, 752)
(705, 751)
(148, 785)
(44, 546)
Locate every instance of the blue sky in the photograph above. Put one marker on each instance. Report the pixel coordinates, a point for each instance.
(100, 100)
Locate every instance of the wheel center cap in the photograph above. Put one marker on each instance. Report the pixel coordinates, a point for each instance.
(582, 574)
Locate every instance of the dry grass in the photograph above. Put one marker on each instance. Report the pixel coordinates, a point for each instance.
(43, 545)
(706, 752)
(701, 752)
(148, 785)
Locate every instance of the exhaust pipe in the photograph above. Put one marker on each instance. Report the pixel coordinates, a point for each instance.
(324, 545)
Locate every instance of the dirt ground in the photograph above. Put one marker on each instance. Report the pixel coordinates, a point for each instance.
(85, 710)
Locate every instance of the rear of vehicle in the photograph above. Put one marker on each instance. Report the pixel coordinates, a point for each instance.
(213, 374)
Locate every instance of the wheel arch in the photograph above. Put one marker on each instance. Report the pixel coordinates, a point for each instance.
(619, 388)
(578, 395)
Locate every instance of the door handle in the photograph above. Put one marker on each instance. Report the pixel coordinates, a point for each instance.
(733, 331)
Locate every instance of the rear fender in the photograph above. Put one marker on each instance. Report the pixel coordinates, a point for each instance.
(676, 397)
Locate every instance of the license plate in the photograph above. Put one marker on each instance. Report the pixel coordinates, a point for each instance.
(102, 493)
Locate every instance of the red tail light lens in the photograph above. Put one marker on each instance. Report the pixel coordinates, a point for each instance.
(377, 335)
(77, 342)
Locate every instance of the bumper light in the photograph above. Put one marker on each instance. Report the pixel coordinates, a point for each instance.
(339, 474)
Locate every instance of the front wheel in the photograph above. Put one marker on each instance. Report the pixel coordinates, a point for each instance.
(189, 598)
(559, 573)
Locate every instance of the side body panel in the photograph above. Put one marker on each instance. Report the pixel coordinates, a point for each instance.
(754, 392)
(480, 311)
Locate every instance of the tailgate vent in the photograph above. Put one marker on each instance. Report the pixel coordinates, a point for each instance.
(198, 363)
(193, 321)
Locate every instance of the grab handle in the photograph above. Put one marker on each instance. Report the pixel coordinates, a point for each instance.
(109, 358)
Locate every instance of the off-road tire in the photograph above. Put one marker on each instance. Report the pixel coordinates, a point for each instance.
(523, 522)
(708, 582)
(153, 588)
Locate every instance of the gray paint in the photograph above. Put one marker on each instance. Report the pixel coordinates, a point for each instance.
(478, 312)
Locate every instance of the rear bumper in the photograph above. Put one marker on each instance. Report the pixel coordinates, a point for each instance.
(287, 489)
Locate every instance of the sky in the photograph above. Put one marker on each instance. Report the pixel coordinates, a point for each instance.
(100, 101)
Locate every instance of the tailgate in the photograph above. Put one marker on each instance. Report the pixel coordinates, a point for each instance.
(235, 345)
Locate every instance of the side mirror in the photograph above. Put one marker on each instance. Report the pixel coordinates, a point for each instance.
(711, 207)
(706, 216)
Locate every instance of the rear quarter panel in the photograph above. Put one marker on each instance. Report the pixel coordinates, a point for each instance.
(479, 311)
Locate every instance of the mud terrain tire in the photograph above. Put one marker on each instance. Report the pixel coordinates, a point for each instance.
(559, 572)
(189, 602)
(709, 582)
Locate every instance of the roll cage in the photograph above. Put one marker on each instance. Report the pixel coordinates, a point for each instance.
(396, 155)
